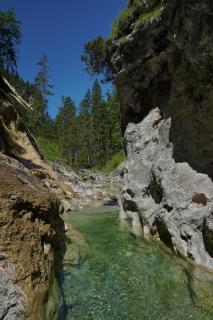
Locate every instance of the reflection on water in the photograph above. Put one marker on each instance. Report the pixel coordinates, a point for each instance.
(125, 277)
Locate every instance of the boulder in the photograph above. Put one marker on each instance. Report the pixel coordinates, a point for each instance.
(170, 200)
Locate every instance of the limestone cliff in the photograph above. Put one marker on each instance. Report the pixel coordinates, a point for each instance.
(32, 237)
(162, 62)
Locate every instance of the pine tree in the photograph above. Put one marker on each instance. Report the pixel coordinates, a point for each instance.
(97, 100)
(113, 126)
(66, 130)
(42, 80)
(40, 102)
(10, 37)
(84, 130)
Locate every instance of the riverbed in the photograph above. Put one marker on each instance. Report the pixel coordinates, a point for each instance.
(122, 276)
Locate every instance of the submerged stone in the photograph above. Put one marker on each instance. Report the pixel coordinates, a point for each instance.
(125, 277)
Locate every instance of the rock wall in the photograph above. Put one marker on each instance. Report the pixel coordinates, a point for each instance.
(32, 233)
(163, 72)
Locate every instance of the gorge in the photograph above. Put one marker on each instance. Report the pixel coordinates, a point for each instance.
(67, 250)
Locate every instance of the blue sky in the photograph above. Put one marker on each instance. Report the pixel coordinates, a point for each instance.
(60, 28)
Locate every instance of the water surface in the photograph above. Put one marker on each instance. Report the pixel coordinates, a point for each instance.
(124, 277)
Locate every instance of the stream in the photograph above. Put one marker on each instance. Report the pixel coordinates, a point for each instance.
(124, 277)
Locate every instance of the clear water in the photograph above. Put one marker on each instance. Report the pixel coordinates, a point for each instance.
(125, 277)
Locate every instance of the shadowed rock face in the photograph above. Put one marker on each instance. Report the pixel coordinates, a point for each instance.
(163, 72)
(168, 64)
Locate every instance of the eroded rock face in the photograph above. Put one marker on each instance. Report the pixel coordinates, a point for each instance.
(13, 301)
(163, 72)
(32, 233)
(169, 200)
(31, 240)
(168, 63)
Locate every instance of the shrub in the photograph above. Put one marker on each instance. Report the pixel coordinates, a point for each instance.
(149, 9)
(50, 149)
(95, 56)
(111, 164)
(149, 16)
(119, 22)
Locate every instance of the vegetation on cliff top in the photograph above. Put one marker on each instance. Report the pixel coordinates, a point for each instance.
(149, 16)
(137, 13)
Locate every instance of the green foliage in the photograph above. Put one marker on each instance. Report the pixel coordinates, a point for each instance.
(119, 22)
(114, 162)
(39, 120)
(96, 53)
(135, 14)
(111, 164)
(95, 56)
(105, 121)
(42, 79)
(92, 136)
(85, 131)
(125, 16)
(25, 89)
(50, 149)
(10, 37)
(85, 138)
(66, 130)
(97, 122)
(106, 137)
(149, 16)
